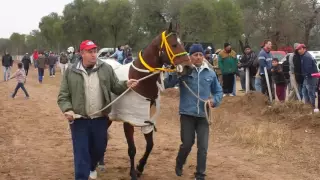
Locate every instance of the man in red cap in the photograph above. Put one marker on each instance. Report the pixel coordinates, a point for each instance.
(308, 67)
(85, 89)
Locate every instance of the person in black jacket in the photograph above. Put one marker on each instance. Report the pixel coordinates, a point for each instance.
(249, 60)
(278, 79)
(26, 61)
(7, 62)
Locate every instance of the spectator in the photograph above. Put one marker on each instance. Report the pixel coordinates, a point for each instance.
(129, 59)
(7, 63)
(35, 56)
(265, 61)
(278, 79)
(308, 67)
(26, 61)
(228, 64)
(63, 63)
(52, 62)
(248, 61)
(118, 54)
(42, 61)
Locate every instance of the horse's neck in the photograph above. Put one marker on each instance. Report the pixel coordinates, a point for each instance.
(148, 87)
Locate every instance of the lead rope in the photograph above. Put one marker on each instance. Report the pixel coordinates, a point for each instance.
(208, 117)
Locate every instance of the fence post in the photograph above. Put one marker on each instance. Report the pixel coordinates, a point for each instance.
(247, 80)
(294, 85)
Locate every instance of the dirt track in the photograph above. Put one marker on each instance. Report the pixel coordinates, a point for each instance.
(35, 141)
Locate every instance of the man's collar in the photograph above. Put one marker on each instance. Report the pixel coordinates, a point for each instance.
(202, 67)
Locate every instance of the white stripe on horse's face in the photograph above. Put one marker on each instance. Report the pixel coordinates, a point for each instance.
(178, 39)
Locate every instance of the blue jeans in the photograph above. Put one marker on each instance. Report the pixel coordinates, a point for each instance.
(40, 74)
(89, 139)
(20, 85)
(35, 63)
(257, 84)
(52, 70)
(6, 73)
(309, 90)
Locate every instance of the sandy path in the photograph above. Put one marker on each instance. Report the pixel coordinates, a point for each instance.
(35, 143)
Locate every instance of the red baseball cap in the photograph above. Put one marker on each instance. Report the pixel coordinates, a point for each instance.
(301, 46)
(87, 45)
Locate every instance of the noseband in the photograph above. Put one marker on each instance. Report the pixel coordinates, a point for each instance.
(168, 50)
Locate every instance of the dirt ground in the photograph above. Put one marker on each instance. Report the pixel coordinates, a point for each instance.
(249, 140)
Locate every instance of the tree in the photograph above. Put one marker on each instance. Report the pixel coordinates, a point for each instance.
(117, 18)
(51, 29)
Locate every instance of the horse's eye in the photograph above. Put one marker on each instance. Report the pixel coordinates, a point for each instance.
(174, 45)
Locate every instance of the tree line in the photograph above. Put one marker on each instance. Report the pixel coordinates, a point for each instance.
(136, 22)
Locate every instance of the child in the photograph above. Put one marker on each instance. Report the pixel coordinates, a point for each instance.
(20, 75)
(279, 79)
(129, 59)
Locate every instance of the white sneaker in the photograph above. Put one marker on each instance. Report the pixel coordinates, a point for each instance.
(93, 175)
(231, 95)
(54, 76)
(316, 110)
(224, 95)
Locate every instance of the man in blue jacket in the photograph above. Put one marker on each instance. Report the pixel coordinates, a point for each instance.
(203, 82)
(265, 60)
(308, 67)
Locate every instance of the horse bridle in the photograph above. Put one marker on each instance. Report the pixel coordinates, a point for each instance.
(166, 46)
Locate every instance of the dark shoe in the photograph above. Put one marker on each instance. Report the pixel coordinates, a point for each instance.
(178, 169)
(199, 176)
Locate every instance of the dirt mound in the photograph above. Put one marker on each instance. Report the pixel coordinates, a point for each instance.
(250, 103)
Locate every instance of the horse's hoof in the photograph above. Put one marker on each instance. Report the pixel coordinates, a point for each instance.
(139, 171)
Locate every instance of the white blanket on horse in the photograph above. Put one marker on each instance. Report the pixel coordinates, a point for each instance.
(132, 107)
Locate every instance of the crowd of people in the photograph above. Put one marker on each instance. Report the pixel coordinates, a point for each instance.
(265, 69)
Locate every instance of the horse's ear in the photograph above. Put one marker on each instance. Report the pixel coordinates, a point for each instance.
(170, 28)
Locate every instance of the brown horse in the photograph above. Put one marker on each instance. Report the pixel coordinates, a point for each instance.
(167, 49)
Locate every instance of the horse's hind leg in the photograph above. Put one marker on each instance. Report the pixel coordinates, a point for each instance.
(101, 162)
(143, 160)
(129, 131)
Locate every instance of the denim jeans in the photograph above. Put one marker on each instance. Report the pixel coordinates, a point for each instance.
(52, 70)
(6, 73)
(20, 85)
(40, 74)
(257, 84)
(309, 90)
(89, 139)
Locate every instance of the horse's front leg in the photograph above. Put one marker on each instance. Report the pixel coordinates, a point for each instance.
(129, 131)
(143, 160)
(101, 162)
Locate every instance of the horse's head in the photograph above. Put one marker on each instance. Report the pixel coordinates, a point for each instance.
(172, 51)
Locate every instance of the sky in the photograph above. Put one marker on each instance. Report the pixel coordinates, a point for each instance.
(22, 16)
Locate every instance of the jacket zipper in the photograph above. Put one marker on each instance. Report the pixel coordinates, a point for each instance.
(198, 92)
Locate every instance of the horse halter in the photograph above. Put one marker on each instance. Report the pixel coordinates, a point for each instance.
(168, 50)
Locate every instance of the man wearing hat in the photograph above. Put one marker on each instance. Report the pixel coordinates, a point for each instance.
(308, 67)
(203, 82)
(228, 64)
(86, 88)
